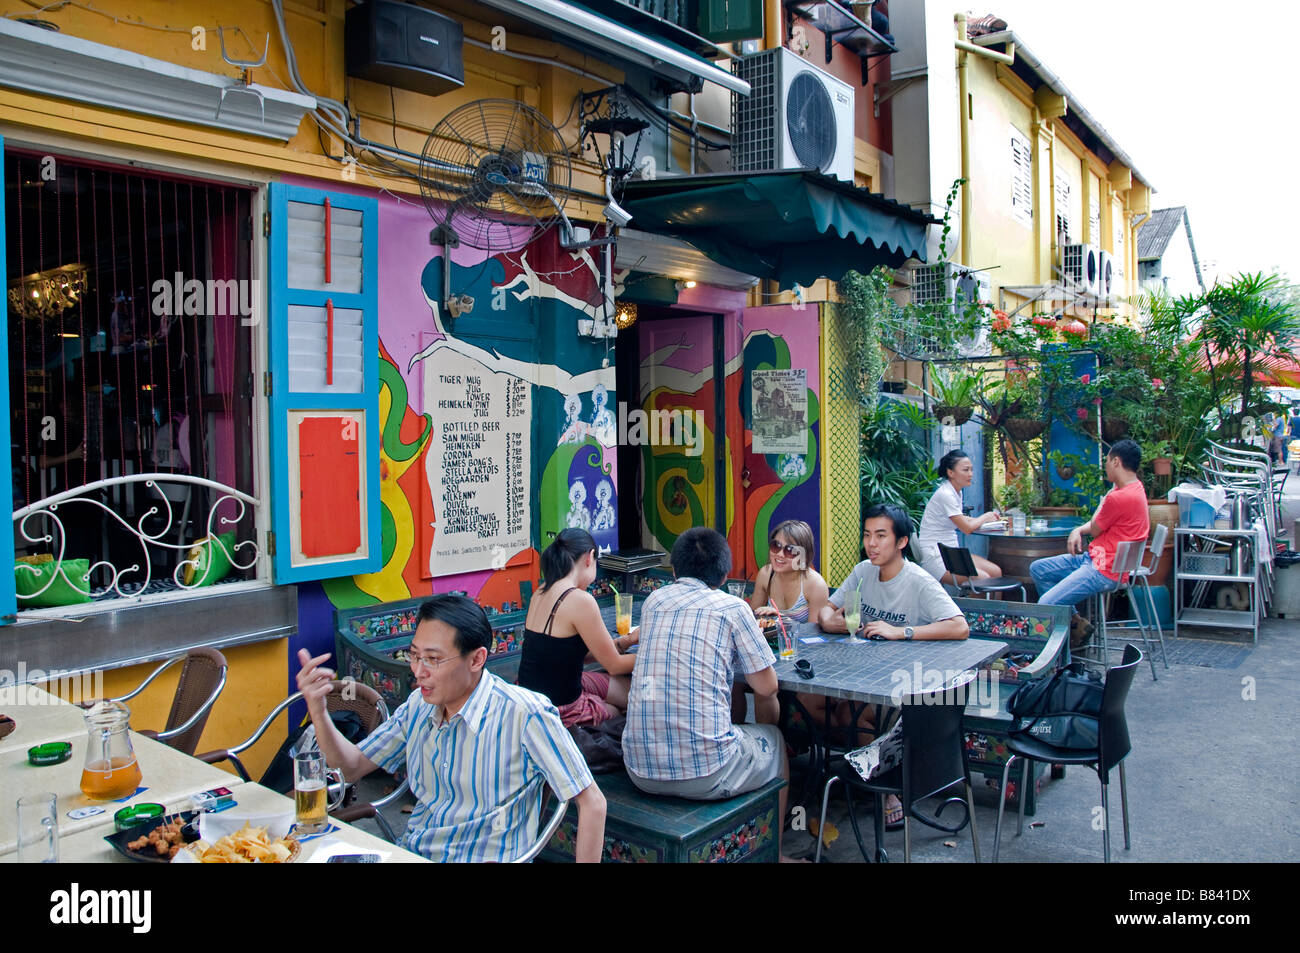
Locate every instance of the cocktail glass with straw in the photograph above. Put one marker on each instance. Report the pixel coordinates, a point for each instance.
(853, 614)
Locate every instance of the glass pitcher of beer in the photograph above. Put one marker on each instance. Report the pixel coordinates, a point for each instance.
(111, 770)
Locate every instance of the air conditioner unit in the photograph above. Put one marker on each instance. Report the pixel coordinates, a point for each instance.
(1079, 268)
(1105, 274)
(948, 282)
(796, 117)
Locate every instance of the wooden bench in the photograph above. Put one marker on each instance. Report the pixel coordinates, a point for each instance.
(1037, 634)
(647, 828)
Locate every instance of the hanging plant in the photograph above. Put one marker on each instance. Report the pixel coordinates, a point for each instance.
(864, 300)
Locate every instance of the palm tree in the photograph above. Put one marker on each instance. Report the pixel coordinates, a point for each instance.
(1247, 324)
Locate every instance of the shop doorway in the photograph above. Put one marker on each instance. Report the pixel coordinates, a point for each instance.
(672, 423)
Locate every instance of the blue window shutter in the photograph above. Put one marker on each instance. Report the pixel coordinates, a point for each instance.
(324, 403)
(8, 595)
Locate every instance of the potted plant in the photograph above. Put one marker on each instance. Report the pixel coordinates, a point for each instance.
(954, 392)
(1020, 406)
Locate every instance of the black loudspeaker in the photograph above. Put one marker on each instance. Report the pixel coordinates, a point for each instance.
(401, 45)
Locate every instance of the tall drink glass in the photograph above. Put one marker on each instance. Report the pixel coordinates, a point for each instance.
(853, 614)
(623, 612)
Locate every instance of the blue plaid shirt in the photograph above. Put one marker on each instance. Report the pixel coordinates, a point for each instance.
(478, 778)
(693, 642)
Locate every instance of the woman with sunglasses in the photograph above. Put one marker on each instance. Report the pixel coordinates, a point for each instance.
(563, 625)
(787, 584)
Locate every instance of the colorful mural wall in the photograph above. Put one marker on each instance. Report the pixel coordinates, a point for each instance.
(785, 484)
(761, 488)
(515, 374)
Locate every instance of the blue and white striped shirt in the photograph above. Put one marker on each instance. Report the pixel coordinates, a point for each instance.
(693, 642)
(478, 778)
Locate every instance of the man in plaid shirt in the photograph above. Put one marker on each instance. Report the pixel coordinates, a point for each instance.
(679, 738)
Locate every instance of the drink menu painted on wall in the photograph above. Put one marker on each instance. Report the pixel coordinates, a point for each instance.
(478, 465)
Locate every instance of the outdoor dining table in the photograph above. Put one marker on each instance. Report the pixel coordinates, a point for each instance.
(878, 672)
(38, 717)
(1013, 551)
(254, 801)
(168, 777)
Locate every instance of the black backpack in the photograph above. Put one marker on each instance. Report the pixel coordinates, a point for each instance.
(1060, 709)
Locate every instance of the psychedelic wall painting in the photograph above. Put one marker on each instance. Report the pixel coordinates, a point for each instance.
(681, 473)
(479, 459)
(782, 467)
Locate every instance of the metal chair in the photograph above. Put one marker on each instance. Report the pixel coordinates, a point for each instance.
(934, 761)
(202, 679)
(957, 560)
(544, 835)
(343, 696)
(1112, 747)
(1143, 575)
(1127, 561)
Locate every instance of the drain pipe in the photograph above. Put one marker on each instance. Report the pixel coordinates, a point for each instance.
(695, 130)
(963, 103)
(964, 49)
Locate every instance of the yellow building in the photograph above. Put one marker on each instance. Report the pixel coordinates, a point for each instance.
(1052, 203)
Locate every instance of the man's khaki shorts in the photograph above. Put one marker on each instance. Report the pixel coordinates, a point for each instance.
(756, 760)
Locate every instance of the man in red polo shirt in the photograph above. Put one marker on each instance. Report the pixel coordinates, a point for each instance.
(1082, 572)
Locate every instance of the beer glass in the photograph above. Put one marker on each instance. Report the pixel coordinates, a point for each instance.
(38, 829)
(311, 799)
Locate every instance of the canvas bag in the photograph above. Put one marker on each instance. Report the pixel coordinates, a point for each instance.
(1060, 709)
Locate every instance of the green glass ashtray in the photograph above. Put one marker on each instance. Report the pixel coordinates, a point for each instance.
(55, 752)
(129, 817)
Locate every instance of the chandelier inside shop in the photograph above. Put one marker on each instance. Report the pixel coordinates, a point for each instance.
(47, 294)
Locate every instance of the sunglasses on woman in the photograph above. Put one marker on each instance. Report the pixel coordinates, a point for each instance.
(786, 548)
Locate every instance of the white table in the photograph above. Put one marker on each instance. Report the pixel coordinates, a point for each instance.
(38, 717)
(167, 775)
(88, 846)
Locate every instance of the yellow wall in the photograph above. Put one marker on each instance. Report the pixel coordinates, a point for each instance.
(162, 29)
(996, 237)
(255, 683)
(1028, 255)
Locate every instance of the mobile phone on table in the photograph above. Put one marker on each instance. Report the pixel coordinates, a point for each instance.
(353, 859)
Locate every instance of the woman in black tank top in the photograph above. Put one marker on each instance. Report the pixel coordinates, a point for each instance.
(562, 626)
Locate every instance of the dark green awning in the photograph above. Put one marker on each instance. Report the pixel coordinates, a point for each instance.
(792, 225)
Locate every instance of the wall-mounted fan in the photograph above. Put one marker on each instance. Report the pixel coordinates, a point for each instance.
(492, 173)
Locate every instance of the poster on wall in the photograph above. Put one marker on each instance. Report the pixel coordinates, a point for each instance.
(479, 464)
(779, 410)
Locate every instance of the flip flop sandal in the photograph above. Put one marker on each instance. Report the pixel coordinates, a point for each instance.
(893, 817)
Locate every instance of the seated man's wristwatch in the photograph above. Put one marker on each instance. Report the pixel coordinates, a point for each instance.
(908, 633)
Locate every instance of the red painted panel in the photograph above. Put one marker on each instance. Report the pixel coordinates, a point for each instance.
(330, 485)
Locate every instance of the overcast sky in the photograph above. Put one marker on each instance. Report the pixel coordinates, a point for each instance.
(1203, 96)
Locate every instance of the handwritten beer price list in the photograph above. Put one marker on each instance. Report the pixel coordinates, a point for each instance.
(479, 464)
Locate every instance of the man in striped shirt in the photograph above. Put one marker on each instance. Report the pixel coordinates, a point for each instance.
(679, 738)
(476, 749)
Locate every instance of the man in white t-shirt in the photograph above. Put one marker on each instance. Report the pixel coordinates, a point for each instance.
(900, 600)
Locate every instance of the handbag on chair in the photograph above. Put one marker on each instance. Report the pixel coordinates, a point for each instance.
(1060, 709)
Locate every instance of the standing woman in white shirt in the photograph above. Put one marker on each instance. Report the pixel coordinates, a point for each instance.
(943, 518)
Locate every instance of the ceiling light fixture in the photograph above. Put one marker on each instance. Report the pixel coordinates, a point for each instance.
(48, 293)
